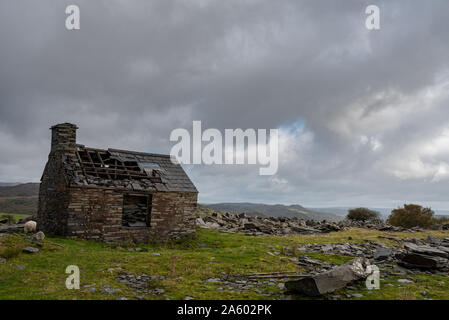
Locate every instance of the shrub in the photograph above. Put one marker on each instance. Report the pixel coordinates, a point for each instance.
(412, 215)
(363, 214)
(440, 220)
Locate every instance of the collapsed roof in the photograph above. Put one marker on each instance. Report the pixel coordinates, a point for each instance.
(128, 170)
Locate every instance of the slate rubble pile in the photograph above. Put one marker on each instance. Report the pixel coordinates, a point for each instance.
(429, 255)
(256, 225)
(367, 249)
(413, 256)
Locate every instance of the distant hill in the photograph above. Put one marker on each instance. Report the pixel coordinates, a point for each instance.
(8, 184)
(19, 205)
(276, 210)
(20, 190)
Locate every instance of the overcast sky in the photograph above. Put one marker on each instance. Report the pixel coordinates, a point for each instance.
(363, 115)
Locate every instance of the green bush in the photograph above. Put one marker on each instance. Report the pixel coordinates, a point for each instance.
(363, 214)
(412, 215)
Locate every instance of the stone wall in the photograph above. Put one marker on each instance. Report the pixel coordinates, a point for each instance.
(53, 198)
(97, 214)
(53, 191)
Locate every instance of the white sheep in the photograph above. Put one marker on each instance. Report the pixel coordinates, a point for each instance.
(30, 226)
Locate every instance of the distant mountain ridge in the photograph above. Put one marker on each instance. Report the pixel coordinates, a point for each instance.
(20, 190)
(276, 210)
(8, 184)
(27, 190)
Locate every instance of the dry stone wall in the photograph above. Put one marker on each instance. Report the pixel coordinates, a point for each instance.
(97, 214)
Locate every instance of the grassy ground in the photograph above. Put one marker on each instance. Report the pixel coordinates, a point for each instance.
(186, 266)
(16, 216)
(21, 205)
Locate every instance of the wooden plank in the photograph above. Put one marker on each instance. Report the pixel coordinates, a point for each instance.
(90, 159)
(102, 164)
(82, 167)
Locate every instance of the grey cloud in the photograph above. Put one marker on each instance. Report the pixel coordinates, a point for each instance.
(138, 69)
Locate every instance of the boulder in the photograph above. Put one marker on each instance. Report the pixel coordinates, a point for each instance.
(330, 281)
(421, 261)
(426, 250)
(383, 253)
(39, 236)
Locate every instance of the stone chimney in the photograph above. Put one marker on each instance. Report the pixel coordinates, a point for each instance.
(63, 139)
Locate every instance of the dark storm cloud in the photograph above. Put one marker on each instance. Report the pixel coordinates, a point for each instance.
(372, 104)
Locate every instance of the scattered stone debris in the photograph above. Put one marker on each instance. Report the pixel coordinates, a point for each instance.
(2, 260)
(11, 228)
(368, 249)
(332, 280)
(157, 291)
(110, 290)
(431, 254)
(256, 225)
(91, 290)
(136, 282)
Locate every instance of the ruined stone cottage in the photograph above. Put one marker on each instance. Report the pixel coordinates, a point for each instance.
(113, 195)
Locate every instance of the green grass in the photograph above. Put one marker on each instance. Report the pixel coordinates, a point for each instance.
(186, 265)
(20, 205)
(16, 216)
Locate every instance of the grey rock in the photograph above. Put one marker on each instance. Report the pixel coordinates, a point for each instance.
(158, 291)
(30, 250)
(39, 236)
(427, 250)
(416, 260)
(110, 290)
(330, 281)
(405, 281)
(383, 253)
